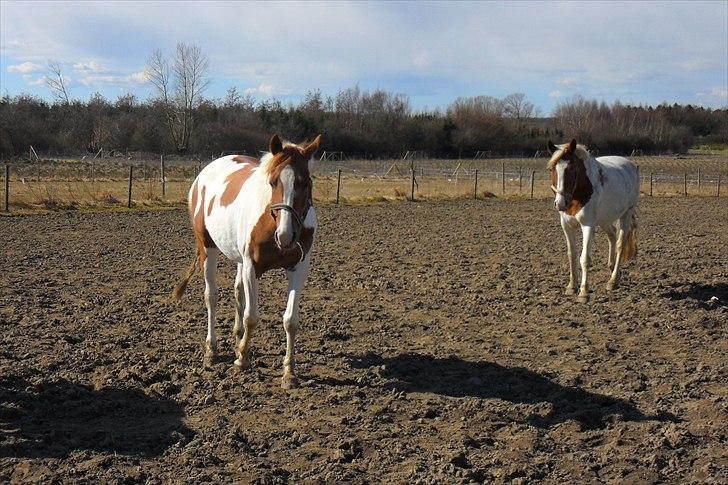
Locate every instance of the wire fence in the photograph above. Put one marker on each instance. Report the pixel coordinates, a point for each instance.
(68, 184)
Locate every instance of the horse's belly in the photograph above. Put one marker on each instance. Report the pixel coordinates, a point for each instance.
(226, 231)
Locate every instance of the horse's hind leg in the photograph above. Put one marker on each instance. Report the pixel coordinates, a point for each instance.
(239, 305)
(250, 313)
(611, 233)
(296, 280)
(210, 267)
(624, 222)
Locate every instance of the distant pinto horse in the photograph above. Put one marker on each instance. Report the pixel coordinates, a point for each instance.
(258, 213)
(594, 192)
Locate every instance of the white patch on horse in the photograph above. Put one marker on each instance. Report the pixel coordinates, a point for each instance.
(286, 232)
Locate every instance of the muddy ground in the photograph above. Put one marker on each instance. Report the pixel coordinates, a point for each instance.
(436, 346)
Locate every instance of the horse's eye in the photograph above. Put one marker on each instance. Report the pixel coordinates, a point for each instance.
(273, 183)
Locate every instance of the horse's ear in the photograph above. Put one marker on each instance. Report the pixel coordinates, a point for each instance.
(572, 145)
(313, 146)
(552, 147)
(275, 145)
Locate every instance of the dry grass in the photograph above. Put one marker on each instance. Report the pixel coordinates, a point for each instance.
(64, 185)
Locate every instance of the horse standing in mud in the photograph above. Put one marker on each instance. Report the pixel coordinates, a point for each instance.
(259, 214)
(594, 192)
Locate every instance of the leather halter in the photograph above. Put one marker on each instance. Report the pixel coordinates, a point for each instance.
(568, 196)
(298, 220)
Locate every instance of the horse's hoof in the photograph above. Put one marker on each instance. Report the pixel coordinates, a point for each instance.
(243, 364)
(611, 286)
(289, 382)
(583, 298)
(569, 290)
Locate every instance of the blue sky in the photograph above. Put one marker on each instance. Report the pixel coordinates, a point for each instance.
(637, 52)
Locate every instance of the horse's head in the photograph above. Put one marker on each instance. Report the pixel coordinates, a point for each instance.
(290, 179)
(568, 174)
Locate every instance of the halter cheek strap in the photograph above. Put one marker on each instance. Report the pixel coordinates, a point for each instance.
(298, 220)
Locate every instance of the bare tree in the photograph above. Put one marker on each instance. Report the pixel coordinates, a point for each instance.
(517, 106)
(180, 85)
(56, 82)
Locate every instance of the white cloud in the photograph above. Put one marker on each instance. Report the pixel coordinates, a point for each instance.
(140, 77)
(26, 67)
(268, 90)
(569, 81)
(720, 92)
(34, 81)
(422, 60)
(556, 94)
(133, 79)
(89, 67)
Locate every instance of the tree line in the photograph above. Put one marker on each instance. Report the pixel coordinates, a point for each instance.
(370, 124)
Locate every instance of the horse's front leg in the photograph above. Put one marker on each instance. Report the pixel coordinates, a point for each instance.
(210, 268)
(250, 314)
(570, 233)
(239, 305)
(588, 236)
(296, 280)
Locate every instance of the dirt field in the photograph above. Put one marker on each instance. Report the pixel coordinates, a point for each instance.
(436, 346)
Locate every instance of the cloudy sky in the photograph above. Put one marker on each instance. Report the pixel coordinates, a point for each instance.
(636, 52)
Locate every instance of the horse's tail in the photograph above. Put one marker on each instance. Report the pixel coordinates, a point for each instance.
(179, 290)
(629, 249)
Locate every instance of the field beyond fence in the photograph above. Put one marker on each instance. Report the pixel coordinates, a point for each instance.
(68, 184)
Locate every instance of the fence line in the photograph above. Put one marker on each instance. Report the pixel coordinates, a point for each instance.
(67, 185)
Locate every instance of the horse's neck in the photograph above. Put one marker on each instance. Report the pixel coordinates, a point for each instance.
(591, 165)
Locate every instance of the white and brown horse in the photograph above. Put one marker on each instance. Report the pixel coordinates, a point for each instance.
(593, 192)
(258, 213)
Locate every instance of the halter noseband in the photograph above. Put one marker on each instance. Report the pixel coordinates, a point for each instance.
(298, 220)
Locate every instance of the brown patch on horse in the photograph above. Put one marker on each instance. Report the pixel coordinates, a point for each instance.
(209, 205)
(575, 176)
(264, 252)
(193, 200)
(202, 237)
(245, 159)
(234, 183)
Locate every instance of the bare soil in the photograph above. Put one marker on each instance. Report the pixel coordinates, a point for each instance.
(436, 346)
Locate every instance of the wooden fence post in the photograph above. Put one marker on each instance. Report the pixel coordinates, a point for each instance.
(338, 185)
(717, 195)
(412, 192)
(533, 176)
(7, 188)
(475, 191)
(650, 184)
(503, 178)
(131, 177)
(686, 183)
(520, 179)
(700, 181)
(164, 181)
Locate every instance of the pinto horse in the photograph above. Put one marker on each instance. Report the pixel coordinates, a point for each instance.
(258, 213)
(594, 192)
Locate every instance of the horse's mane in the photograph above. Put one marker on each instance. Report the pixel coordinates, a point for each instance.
(269, 162)
(581, 153)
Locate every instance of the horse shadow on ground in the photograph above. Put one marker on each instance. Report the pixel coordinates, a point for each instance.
(701, 293)
(455, 377)
(53, 419)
